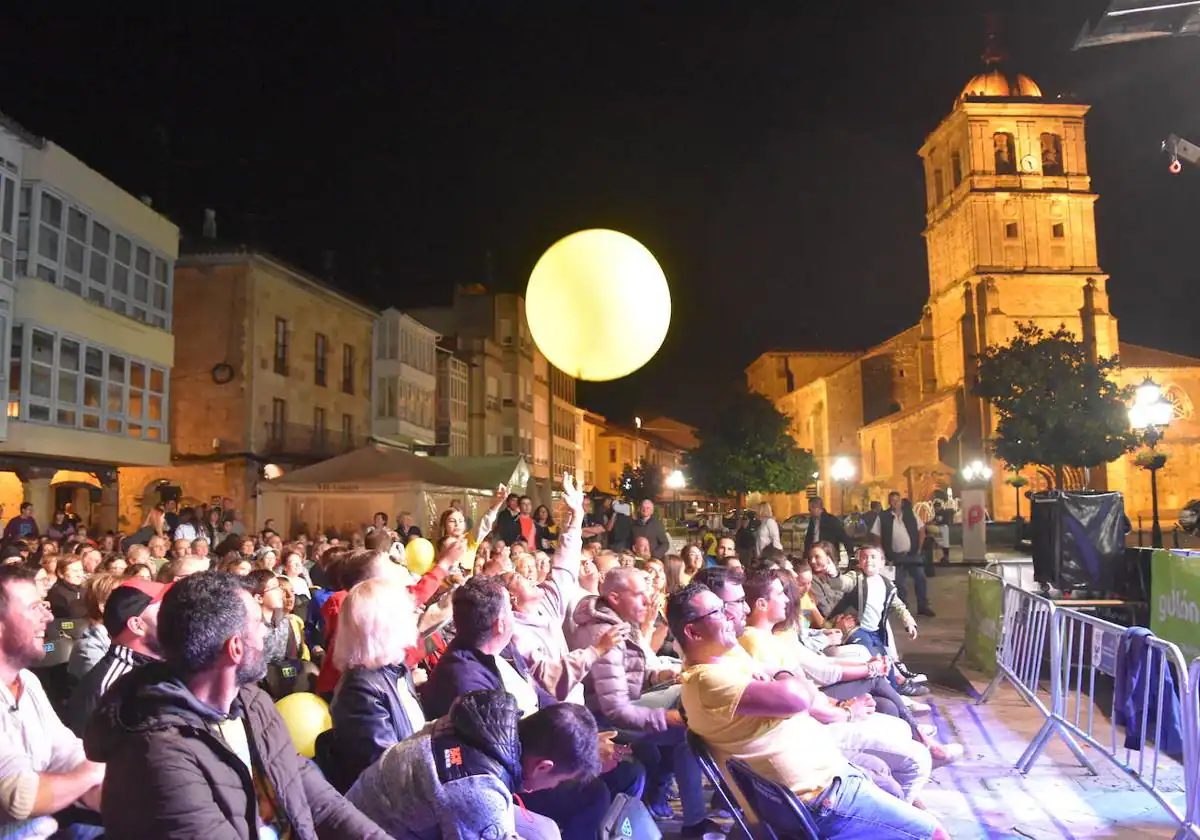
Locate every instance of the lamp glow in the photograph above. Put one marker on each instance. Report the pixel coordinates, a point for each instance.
(977, 471)
(676, 481)
(842, 470)
(598, 305)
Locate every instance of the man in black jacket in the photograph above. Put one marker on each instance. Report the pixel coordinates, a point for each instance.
(901, 539)
(651, 527)
(823, 526)
(194, 749)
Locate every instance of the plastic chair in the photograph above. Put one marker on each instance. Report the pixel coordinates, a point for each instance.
(52, 671)
(710, 769)
(778, 809)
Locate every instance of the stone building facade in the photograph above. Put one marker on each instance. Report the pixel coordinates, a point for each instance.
(272, 372)
(1011, 237)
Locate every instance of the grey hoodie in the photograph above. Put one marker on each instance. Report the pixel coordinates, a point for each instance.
(410, 793)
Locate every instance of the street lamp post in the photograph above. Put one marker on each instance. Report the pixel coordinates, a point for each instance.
(842, 471)
(1149, 416)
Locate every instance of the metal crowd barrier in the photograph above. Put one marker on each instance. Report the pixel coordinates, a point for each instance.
(1076, 647)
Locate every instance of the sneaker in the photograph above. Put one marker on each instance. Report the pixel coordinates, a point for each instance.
(927, 729)
(660, 808)
(911, 676)
(702, 828)
(916, 706)
(945, 753)
(912, 689)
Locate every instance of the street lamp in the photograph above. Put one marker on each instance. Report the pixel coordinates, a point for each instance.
(977, 472)
(1149, 416)
(842, 471)
(676, 481)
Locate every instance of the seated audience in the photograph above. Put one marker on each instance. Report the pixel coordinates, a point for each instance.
(742, 713)
(94, 642)
(131, 621)
(375, 703)
(195, 750)
(43, 769)
(458, 778)
(617, 690)
(66, 596)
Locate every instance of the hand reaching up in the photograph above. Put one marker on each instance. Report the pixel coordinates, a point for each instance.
(572, 495)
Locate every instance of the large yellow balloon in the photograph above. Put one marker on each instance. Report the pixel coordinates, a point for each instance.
(418, 556)
(306, 716)
(598, 305)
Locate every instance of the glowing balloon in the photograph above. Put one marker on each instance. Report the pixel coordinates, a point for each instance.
(418, 555)
(306, 716)
(598, 305)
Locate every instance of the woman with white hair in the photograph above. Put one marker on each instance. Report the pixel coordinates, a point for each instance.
(768, 530)
(374, 704)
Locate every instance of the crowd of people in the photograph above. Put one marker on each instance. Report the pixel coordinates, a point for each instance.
(532, 676)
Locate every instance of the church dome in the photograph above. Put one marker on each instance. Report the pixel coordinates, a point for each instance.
(996, 82)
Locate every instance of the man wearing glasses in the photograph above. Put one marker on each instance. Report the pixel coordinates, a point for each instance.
(43, 770)
(740, 712)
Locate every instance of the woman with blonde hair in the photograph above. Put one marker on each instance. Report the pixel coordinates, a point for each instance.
(768, 530)
(375, 703)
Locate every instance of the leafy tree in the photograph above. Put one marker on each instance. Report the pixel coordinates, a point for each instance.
(644, 481)
(745, 447)
(1055, 406)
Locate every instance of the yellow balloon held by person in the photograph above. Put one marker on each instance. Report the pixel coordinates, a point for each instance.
(306, 716)
(598, 305)
(418, 556)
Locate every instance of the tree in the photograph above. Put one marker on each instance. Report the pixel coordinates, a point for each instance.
(1055, 406)
(745, 447)
(644, 481)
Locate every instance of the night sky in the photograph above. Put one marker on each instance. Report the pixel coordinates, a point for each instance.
(764, 151)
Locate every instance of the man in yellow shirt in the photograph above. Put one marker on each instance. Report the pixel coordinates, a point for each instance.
(741, 713)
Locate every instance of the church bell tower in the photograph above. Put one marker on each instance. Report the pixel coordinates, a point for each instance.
(1010, 229)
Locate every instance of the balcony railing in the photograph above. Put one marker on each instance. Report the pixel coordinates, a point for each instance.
(296, 441)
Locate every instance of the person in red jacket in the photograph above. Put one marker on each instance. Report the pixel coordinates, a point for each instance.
(360, 566)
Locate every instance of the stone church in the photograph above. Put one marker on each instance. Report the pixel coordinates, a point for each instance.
(1011, 237)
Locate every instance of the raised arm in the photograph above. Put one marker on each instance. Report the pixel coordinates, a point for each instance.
(570, 539)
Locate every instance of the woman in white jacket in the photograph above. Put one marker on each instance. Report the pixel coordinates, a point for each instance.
(768, 530)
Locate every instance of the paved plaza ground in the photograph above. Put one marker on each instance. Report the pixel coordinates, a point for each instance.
(981, 796)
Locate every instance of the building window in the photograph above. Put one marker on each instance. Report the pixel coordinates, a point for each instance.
(278, 418)
(385, 396)
(612, 453)
(956, 171)
(490, 445)
(69, 382)
(347, 369)
(1058, 231)
(1010, 230)
(319, 425)
(1006, 153)
(320, 360)
(281, 346)
(347, 430)
(87, 257)
(1052, 161)
(8, 227)
(939, 186)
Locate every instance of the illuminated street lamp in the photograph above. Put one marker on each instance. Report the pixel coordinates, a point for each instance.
(842, 473)
(676, 481)
(1149, 416)
(977, 472)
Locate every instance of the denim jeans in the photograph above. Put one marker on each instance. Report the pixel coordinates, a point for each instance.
(853, 808)
(910, 566)
(890, 740)
(655, 749)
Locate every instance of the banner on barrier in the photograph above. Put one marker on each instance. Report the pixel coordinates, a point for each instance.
(985, 604)
(1175, 599)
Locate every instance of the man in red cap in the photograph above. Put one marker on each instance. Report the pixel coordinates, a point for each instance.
(131, 618)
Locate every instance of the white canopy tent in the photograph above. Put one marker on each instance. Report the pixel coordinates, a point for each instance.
(343, 493)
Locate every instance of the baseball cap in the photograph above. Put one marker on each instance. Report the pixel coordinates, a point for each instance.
(129, 599)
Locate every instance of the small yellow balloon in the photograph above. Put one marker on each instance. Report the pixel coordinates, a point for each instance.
(306, 716)
(598, 305)
(418, 555)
